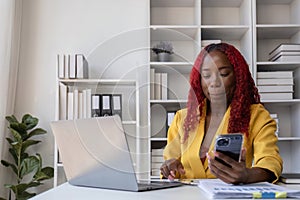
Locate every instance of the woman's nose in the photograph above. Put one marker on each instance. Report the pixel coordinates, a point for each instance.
(215, 80)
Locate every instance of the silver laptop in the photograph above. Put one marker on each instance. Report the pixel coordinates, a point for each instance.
(95, 153)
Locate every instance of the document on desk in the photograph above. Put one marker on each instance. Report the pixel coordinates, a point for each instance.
(216, 188)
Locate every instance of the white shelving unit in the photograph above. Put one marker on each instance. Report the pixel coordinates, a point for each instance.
(130, 112)
(254, 27)
(276, 22)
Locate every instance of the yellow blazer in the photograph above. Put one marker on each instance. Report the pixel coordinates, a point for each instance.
(261, 144)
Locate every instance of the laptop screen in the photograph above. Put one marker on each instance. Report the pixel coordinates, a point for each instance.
(95, 152)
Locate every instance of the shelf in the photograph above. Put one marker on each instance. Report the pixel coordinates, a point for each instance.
(279, 66)
(172, 67)
(129, 122)
(211, 32)
(289, 138)
(282, 102)
(278, 31)
(98, 81)
(168, 101)
(172, 3)
(158, 139)
(173, 32)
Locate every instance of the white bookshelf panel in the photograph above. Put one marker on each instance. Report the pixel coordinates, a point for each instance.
(164, 12)
(185, 47)
(289, 150)
(278, 11)
(226, 12)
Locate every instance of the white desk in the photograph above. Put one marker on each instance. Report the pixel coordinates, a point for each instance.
(67, 191)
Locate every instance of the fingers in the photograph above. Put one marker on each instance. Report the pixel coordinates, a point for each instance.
(235, 172)
(170, 167)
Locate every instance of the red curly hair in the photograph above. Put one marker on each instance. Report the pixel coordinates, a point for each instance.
(245, 92)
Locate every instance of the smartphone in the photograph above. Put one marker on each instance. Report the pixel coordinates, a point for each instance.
(231, 145)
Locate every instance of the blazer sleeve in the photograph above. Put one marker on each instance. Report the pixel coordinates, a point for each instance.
(264, 141)
(173, 147)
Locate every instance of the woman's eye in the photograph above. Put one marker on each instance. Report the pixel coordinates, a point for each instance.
(224, 74)
(205, 75)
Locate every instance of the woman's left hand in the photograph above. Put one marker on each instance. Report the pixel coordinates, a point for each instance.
(236, 174)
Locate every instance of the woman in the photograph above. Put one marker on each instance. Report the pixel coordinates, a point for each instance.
(222, 99)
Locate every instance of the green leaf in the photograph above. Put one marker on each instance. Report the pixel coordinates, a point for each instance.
(10, 141)
(13, 154)
(11, 119)
(19, 127)
(37, 131)
(20, 189)
(44, 174)
(7, 164)
(28, 143)
(30, 121)
(30, 164)
(17, 136)
(25, 195)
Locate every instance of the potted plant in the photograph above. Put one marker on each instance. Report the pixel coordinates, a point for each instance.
(163, 50)
(24, 164)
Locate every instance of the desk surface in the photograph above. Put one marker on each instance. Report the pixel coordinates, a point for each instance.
(67, 191)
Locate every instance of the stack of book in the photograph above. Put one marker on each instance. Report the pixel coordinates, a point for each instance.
(72, 66)
(158, 85)
(285, 52)
(77, 104)
(157, 160)
(275, 85)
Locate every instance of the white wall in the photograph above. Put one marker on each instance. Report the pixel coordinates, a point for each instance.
(54, 26)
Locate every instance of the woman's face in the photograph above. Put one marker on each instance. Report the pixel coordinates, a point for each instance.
(217, 78)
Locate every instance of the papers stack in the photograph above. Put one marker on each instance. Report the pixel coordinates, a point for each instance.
(216, 189)
(285, 52)
(275, 85)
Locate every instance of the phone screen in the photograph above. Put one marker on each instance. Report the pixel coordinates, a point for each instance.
(229, 144)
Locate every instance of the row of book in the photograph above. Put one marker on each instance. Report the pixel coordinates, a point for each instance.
(157, 160)
(77, 104)
(285, 52)
(275, 85)
(158, 85)
(72, 66)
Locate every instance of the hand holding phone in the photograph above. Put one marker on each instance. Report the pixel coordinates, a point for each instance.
(230, 145)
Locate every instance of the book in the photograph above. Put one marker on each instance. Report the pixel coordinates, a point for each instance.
(63, 101)
(276, 96)
(284, 47)
(288, 58)
(80, 105)
(164, 86)
(60, 65)
(217, 189)
(116, 105)
(106, 105)
(152, 81)
(278, 81)
(81, 66)
(70, 106)
(275, 88)
(284, 53)
(290, 178)
(75, 104)
(88, 103)
(72, 66)
(95, 106)
(275, 74)
(157, 86)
